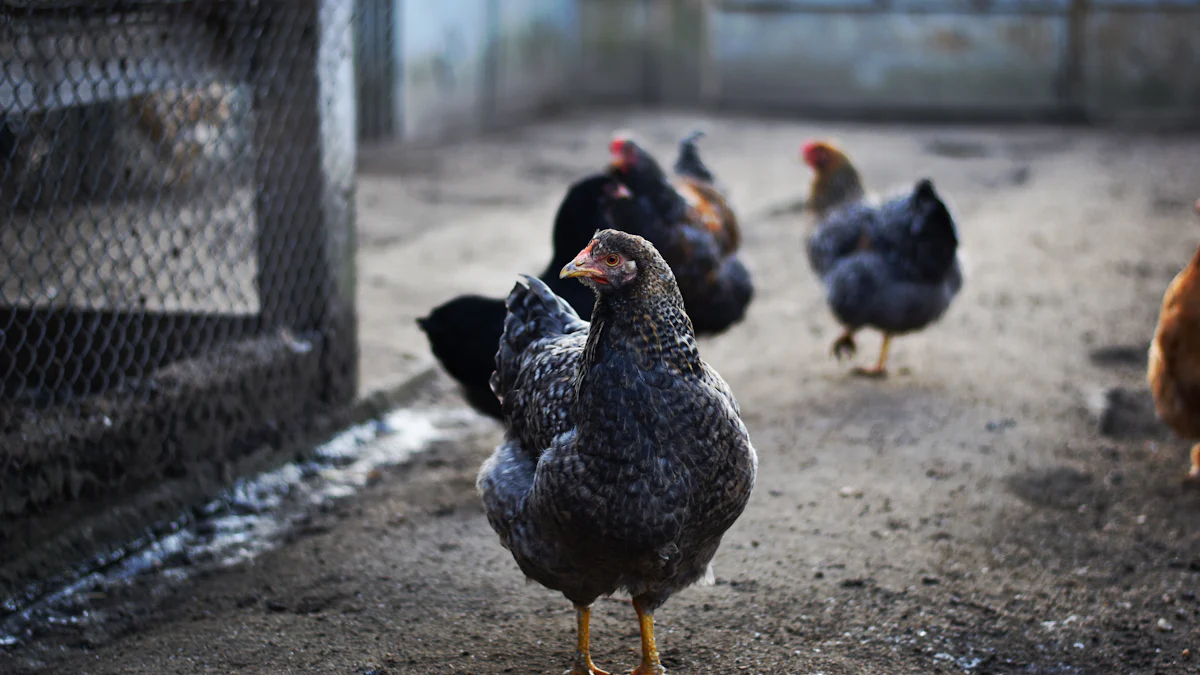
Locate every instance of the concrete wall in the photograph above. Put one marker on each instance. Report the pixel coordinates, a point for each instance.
(461, 66)
(1096, 59)
(1142, 59)
(464, 65)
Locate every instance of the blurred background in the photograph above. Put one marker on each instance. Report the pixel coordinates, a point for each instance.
(426, 71)
(226, 445)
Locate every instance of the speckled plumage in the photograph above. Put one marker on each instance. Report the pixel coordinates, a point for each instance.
(625, 459)
(893, 267)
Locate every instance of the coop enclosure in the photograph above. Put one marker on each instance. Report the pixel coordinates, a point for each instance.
(177, 243)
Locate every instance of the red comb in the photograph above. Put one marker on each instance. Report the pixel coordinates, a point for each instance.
(618, 145)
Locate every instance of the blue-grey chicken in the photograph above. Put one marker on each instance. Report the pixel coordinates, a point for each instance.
(625, 458)
(892, 267)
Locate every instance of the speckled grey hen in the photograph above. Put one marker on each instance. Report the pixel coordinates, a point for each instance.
(625, 459)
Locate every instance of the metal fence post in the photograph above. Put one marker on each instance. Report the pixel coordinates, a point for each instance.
(305, 203)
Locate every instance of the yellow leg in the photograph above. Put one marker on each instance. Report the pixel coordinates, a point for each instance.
(880, 369)
(583, 655)
(844, 345)
(1194, 474)
(650, 664)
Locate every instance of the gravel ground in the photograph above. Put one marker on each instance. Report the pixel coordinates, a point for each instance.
(1004, 503)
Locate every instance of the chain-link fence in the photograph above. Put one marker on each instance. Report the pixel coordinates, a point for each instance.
(176, 240)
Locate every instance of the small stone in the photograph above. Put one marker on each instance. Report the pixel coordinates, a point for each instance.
(1165, 626)
(1141, 520)
(1187, 654)
(849, 491)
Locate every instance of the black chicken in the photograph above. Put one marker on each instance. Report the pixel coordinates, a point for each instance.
(892, 267)
(465, 331)
(625, 459)
(688, 163)
(696, 231)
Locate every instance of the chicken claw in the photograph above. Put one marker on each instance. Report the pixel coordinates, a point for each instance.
(583, 656)
(1194, 473)
(844, 346)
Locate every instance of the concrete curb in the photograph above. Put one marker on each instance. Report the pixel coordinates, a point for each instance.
(126, 522)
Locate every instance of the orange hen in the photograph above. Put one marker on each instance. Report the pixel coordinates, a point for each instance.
(1174, 362)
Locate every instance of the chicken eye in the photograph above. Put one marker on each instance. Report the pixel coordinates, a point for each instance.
(612, 259)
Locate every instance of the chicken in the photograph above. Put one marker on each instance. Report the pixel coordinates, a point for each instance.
(696, 232)
(835, 183)
(892, 267)
(625, 459)
(688, 200)
(464, 332)
(1174, 363)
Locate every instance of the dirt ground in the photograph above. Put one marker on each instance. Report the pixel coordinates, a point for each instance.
(965, 515)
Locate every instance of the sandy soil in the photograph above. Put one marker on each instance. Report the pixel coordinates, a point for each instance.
(965, 515)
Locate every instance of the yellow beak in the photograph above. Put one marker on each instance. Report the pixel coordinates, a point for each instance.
(579, 267)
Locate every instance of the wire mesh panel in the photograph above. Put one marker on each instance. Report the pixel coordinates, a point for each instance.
(176, 241)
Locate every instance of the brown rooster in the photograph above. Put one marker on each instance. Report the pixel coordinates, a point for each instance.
(1174, 364)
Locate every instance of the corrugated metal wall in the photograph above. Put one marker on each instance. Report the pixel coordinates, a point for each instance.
(468, 64)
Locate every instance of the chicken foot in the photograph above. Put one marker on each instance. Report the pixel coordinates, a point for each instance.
(1194, 474)
(583, 655)
(650, 664)
(880, 367)
(844, 346)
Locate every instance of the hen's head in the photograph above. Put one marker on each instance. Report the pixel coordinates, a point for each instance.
(626, 154)
(822, 156)
(615, 260)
